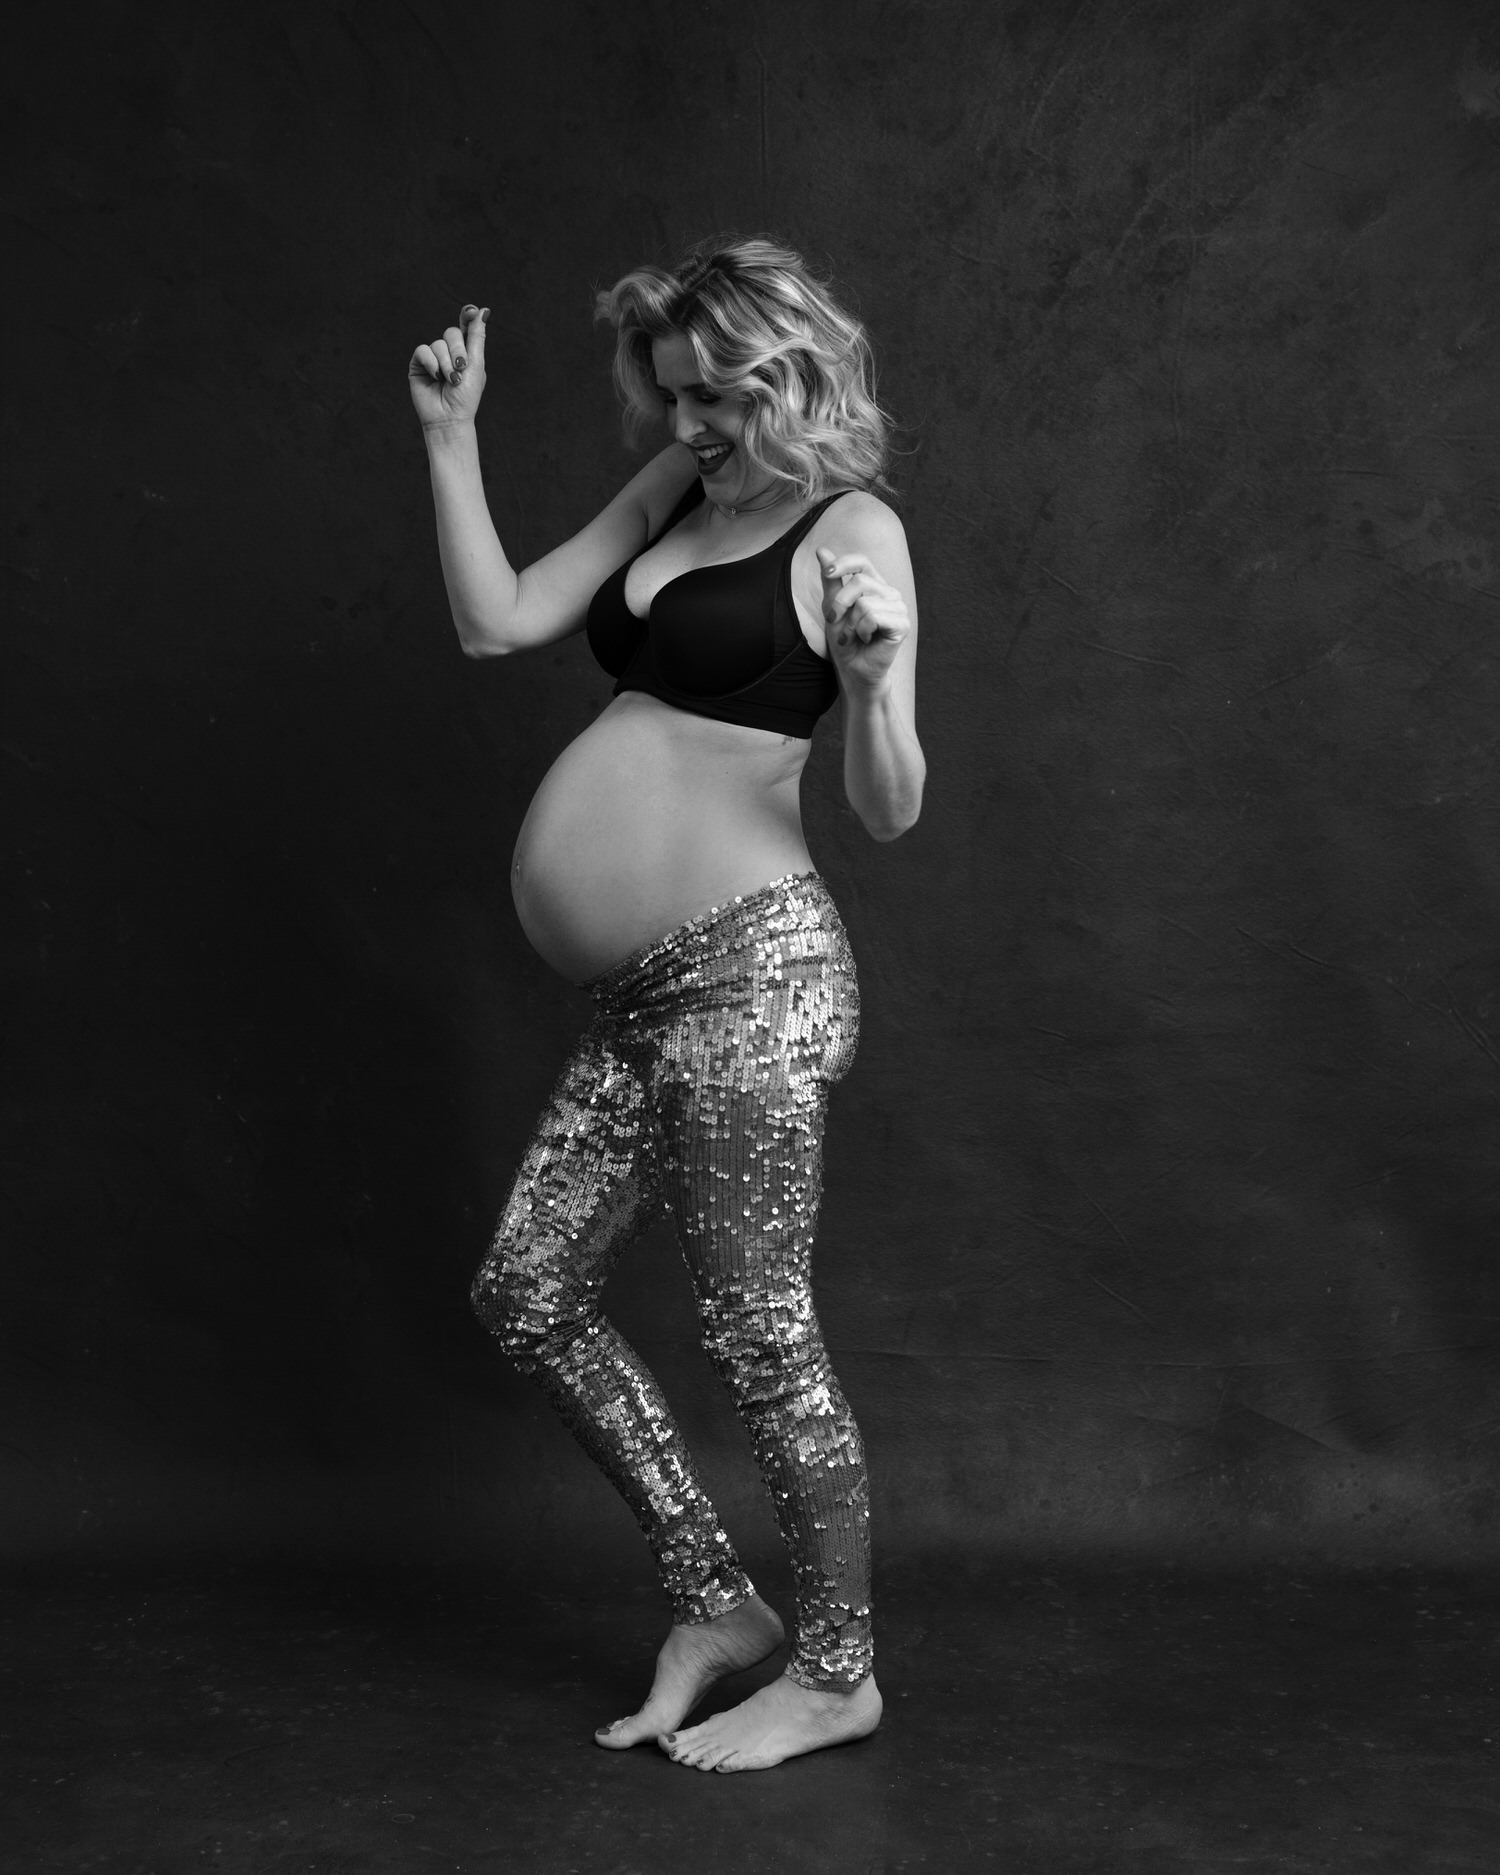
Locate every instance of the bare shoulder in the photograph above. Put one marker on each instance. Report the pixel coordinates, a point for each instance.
(854, 524)
(859, 522)
(661, 484)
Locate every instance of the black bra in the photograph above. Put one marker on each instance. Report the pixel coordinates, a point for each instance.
(720, 641)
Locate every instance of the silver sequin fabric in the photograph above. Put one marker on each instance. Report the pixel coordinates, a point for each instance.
(699, 1090)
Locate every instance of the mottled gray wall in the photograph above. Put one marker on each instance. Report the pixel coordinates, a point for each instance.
(1162, 1201)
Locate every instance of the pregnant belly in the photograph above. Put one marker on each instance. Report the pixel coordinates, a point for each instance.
(650, 817)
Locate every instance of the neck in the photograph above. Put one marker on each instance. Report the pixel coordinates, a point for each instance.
(761, 503)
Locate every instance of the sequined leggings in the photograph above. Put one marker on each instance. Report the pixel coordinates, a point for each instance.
(699, 1089)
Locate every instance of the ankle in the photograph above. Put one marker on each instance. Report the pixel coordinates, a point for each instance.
(836, 1690)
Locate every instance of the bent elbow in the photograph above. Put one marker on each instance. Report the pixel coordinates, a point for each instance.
(475, 644)
(903, 817)
(892, 825)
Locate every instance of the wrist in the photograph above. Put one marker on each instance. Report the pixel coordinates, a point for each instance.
(872, 696)
(449, 434)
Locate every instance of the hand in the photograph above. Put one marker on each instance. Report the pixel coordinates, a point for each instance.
(447, 376)
(866, 619)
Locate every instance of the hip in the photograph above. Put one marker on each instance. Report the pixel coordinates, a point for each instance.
(775, 963)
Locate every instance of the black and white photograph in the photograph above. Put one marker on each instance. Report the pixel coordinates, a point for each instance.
(750, 1066)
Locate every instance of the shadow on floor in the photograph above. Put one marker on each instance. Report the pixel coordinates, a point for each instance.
(1037, 1723)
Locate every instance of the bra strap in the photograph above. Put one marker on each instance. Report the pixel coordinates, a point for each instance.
(798, 531)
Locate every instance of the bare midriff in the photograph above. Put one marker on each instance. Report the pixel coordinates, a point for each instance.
(651, 816)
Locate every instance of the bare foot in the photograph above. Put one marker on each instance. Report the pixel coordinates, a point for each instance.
(781, 1721)
(691, 1660)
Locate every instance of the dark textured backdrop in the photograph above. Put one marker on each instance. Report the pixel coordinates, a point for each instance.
(1162, 1202)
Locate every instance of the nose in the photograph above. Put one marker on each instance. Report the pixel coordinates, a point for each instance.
(686, 423)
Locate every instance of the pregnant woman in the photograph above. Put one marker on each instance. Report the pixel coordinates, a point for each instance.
(746, 579)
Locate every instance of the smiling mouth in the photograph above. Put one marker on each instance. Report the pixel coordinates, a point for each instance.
(711, 460)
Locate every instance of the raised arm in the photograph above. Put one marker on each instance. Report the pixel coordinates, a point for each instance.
(870, 620)
(497, 609)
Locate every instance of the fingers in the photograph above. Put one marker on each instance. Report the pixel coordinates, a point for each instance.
(865, 617)
(858, 622)
(861, 607)
(842, 597)
(473, 320)
(830, 570)
(460, 349)
(435, 361)
(847, 579)
(835, 566)
(833, 594)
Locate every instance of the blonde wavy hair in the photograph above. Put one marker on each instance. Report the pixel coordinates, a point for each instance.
(765, 330)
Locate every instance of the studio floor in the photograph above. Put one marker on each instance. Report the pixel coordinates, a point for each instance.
(1039, 1721)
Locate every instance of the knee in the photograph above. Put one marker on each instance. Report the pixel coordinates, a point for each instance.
(492, 1297)
(763, 1370)
(514, 1301)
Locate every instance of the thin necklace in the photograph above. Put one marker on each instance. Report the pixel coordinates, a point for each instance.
(752, 507)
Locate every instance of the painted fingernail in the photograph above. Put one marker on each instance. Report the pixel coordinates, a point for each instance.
(453, 377)
(460, 364)
(471, 308)
(484, 312)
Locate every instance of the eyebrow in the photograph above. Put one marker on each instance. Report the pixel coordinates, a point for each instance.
(663, 390)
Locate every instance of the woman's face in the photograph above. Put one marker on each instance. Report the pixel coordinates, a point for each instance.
(709, 425)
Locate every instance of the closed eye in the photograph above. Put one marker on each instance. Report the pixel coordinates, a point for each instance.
(698, 393)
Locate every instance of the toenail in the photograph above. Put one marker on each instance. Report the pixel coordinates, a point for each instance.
(671, 1738)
